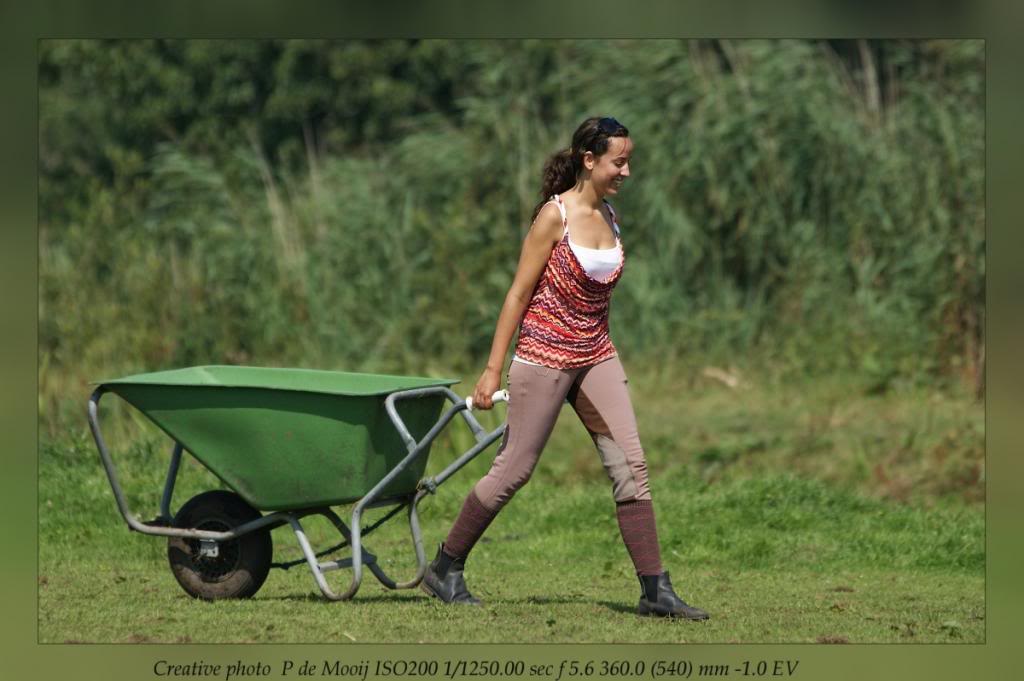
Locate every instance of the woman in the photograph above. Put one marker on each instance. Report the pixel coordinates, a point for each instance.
(571, 260)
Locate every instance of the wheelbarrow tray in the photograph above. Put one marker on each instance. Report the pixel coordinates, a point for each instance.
(288, 439)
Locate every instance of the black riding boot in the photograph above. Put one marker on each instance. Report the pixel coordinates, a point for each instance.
(444, 580)
(657, 598)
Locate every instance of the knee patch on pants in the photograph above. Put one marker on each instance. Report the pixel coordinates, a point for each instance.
(625, 486)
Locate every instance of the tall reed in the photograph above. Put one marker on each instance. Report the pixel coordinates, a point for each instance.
(785, 210)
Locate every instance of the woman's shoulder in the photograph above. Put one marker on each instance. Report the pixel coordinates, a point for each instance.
(548, 223)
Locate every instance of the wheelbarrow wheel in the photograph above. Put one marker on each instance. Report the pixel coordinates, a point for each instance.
(238, 568)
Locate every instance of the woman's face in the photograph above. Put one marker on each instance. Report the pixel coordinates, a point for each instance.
(609, 170)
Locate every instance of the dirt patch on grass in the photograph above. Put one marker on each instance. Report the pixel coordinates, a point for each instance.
(832, 639)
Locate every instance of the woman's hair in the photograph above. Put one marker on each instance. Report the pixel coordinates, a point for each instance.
(562, 169)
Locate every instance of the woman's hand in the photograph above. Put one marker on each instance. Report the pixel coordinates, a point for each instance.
(490, 381)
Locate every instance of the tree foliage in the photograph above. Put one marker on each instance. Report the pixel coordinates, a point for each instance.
(817, 205)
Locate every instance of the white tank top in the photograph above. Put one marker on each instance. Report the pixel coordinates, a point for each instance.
(599, 263)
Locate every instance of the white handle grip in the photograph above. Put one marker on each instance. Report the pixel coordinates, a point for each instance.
(500, 396)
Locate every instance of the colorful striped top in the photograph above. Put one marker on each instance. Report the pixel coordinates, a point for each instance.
(565, 325)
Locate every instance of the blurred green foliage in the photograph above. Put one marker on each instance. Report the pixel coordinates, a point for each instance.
(805, 206)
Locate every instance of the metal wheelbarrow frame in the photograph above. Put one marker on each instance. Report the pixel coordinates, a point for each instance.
(210, 542)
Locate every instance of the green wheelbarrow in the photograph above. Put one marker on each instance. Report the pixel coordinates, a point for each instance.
(288, 443)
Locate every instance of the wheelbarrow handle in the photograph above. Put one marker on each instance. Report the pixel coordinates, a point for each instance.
(500, 396)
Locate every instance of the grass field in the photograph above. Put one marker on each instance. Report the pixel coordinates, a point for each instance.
(792, 513)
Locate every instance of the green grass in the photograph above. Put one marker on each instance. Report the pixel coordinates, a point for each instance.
(777, 560)
(792, 513)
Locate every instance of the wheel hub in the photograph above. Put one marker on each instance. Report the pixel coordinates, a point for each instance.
(214, 560)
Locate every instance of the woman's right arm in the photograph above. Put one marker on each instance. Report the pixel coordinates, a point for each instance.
(544, 234)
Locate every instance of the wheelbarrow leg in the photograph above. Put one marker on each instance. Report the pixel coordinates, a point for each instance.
(353, 534)
(319, 569)
(360, 556)
(417, 542)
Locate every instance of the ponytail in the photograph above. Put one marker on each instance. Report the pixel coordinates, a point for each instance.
(559, 175)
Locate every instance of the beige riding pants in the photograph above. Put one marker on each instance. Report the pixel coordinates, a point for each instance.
(600, 397)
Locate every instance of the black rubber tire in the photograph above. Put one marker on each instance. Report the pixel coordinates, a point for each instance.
(242, 566)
